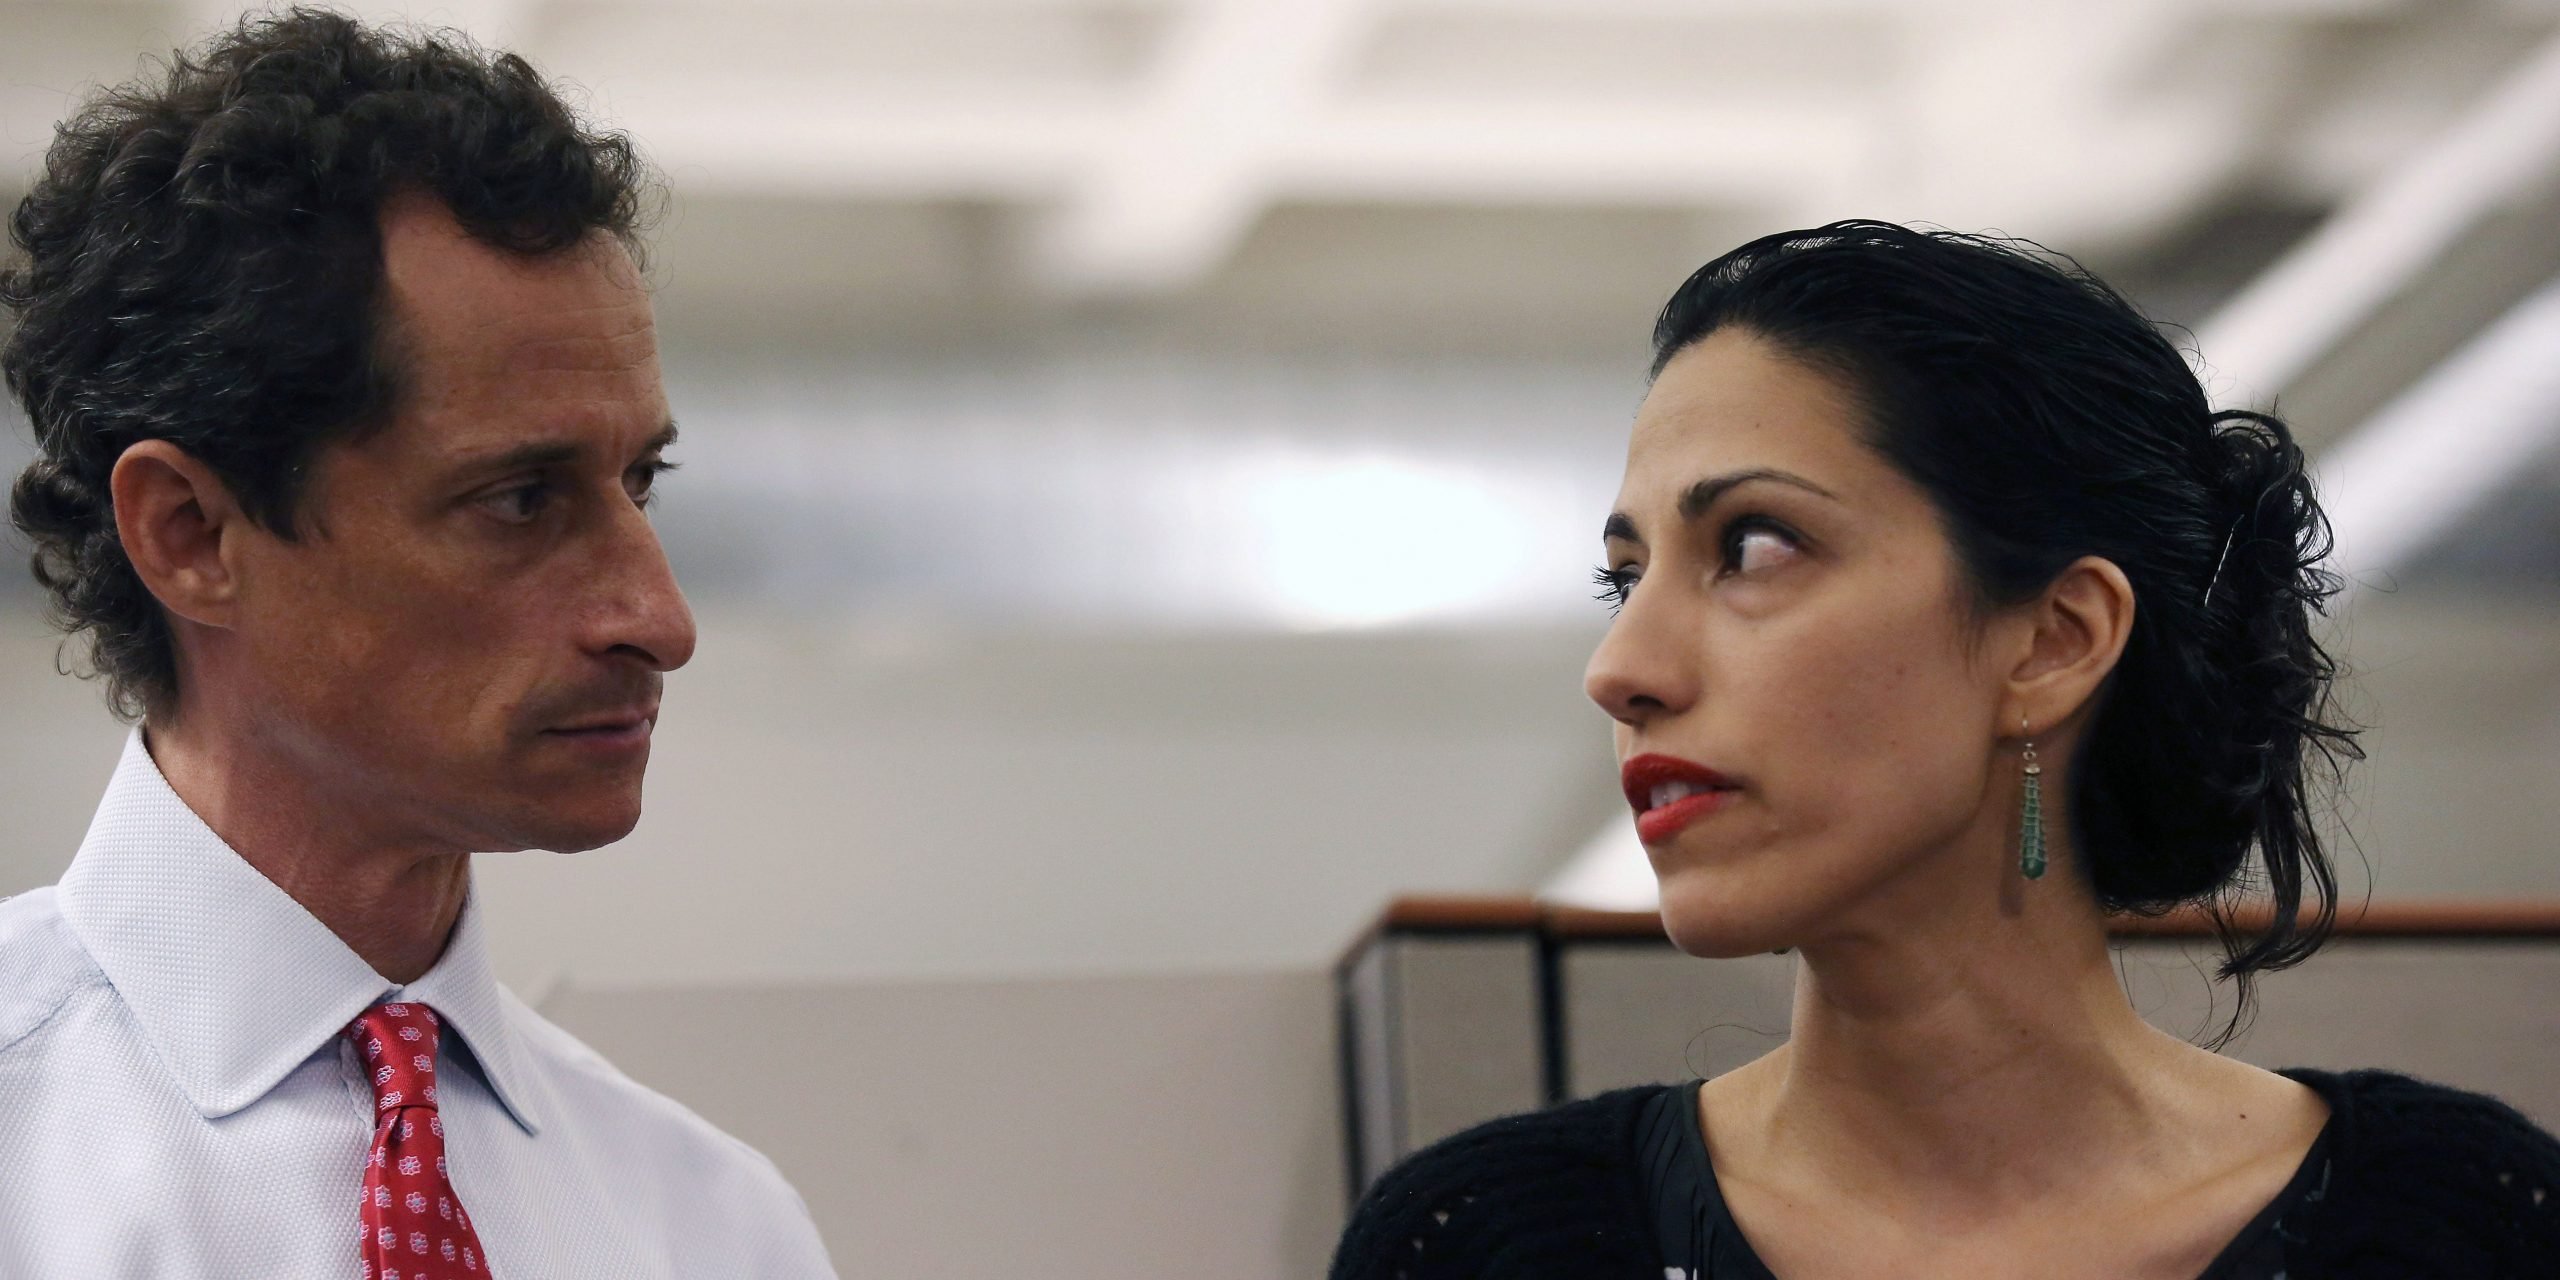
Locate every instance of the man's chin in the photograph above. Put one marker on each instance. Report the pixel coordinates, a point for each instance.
(562, 797)
(545, 823)
(583, 838)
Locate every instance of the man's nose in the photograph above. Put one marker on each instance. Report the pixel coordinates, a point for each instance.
(643, 614)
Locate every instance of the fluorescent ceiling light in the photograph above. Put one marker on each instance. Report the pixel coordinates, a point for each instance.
(1370, 540)
(2446, 442)
(2265, 338)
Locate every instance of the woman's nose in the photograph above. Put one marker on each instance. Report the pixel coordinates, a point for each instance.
(1644, 668)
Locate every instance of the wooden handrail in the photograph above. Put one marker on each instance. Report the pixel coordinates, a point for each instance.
(1464, 913)
(1446, 914)
(2526, 918)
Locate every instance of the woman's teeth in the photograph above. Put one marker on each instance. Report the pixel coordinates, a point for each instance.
(1665, 793)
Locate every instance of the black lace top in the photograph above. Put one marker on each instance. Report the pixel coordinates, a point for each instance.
(2413, 1181)
(1699, 1239)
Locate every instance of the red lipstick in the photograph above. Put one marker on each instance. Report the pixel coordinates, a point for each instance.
(1668, 793)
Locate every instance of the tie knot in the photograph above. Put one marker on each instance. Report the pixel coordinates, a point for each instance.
(398, 1045)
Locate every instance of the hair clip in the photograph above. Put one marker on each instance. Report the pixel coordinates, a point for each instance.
(2216, 580)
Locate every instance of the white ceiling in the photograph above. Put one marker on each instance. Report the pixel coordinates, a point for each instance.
(974, 306)
(1142, 142)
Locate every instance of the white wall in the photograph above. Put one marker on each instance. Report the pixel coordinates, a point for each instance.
(831, 802)
(57, 746)
(1174, 1126)
(826, 804)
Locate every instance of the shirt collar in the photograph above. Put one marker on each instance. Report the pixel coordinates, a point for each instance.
(232, 983)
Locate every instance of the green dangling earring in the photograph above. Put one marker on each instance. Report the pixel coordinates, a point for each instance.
(2031, 824)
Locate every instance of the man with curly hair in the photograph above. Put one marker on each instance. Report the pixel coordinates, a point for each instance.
(347, 409)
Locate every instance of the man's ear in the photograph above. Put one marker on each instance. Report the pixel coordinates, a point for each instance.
(181, 530)
(2078, 631)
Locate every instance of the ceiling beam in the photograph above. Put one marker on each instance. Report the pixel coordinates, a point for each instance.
(1926, 10)
(1578, 10)
(2045, 123)
(499, 24)
(849, 145)
(2357, 261)
(1175, 190)
(1716, 151)
(1756, 149)
(2452, 439)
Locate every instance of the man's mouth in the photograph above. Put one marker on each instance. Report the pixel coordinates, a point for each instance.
(624, 727)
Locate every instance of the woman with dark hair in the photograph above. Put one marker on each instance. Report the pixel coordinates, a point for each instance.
(1951, 619)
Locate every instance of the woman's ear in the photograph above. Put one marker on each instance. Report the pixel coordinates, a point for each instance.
(2078, 630)
(180, 530)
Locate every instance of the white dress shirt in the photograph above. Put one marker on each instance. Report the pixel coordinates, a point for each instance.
(175, 1099)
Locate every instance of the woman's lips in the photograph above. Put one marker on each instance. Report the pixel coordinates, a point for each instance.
(1654, 826)
(1668, 793)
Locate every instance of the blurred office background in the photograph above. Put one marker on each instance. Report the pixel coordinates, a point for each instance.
(1143, 459)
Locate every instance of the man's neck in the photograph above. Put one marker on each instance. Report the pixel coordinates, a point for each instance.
(394, 906)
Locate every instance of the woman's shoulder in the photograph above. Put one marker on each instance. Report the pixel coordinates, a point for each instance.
(1535, 1190)
(2404, 1115)
(2444, 1176)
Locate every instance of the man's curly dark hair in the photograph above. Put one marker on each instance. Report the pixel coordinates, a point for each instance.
(203, 265)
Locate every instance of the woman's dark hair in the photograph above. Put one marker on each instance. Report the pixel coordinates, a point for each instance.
(2047, 420)
(203, 265)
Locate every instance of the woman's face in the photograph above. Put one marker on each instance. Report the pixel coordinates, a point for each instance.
(1805, 718)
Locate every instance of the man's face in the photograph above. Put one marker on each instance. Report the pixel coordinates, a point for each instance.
(467, 639)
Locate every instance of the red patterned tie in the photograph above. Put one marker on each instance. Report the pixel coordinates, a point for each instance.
(414, 1226)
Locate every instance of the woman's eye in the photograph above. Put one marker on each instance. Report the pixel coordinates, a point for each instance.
(1614, 583)
(1752, 546)
(519, 504)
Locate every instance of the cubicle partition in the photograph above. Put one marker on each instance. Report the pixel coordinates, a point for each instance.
(1098, 1127)
(1457, 1010)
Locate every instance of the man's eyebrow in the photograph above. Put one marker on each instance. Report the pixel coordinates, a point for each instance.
(526, 456)
(1697, 499)
(534, 454)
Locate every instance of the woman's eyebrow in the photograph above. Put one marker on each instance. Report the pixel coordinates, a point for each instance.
(1699, 498)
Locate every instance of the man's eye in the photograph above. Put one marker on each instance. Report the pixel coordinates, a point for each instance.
(519, 504)
(641, 482)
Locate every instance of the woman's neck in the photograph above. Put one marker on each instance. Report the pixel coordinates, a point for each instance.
(1973, 1061)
